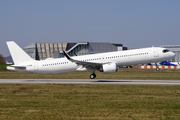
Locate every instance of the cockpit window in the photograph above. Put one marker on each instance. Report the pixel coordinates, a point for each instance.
(165, 51)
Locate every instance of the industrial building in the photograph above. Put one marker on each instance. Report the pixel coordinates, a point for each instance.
(175, 49)
(42, 51)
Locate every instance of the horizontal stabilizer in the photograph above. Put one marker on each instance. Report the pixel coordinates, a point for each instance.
(13, 67)
(18, 66)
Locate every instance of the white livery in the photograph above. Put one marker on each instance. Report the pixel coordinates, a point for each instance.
(104, 62)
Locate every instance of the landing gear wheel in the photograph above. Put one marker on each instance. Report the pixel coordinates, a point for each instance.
(157, 69)
(92, 76)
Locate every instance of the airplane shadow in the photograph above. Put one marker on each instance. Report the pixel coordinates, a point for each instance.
(110, 81)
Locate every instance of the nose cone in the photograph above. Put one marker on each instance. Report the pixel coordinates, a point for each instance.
(173, 54)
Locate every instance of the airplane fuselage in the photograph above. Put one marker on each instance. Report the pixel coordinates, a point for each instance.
(119, 58)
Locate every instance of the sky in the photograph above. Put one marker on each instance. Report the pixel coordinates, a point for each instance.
(133, 23)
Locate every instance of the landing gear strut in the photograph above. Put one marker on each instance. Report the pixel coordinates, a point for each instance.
(93, 75)
(157, 68)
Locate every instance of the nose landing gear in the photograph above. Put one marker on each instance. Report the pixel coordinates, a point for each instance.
(157, 68)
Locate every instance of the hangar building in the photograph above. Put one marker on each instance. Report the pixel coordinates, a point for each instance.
(41, 51)
(175, 49)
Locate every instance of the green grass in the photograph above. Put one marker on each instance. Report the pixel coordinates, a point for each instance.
(48, 101)
(89, 102)
(123, 73)
(3, 67)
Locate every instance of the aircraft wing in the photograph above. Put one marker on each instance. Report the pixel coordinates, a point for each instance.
(89, 65)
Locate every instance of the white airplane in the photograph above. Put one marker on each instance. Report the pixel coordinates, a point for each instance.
(104, 62)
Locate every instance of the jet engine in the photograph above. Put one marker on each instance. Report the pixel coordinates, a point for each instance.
(109, 68)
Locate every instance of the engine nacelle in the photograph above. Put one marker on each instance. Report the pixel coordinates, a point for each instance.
(109, 68)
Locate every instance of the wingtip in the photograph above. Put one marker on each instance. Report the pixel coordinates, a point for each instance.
(67, 56)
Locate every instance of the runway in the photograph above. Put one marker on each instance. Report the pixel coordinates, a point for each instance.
(89, 81)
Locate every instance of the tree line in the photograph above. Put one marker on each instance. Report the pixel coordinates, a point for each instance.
(2, 60)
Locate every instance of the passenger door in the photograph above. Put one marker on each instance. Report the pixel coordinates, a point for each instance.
(156, 54)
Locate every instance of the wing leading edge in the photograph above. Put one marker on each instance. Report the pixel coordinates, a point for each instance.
(88, 65)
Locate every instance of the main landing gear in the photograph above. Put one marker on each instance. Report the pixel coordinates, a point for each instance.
(93, 75)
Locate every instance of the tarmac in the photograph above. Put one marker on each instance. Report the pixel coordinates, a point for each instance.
(89, 81)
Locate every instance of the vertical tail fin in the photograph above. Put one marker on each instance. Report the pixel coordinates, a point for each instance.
(18, 55)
